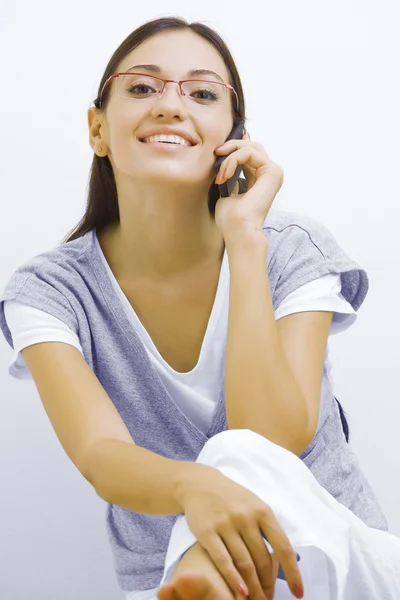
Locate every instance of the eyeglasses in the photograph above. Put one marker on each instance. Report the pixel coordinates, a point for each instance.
(137, 86)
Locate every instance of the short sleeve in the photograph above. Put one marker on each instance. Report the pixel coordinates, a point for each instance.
(322, 294)
(34, 290)
(302, 250)
(30, 326)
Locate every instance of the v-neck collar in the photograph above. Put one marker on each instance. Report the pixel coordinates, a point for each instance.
(143, 333)
(118, 312)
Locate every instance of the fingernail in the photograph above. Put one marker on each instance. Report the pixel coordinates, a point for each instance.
(243, 589)
(298, 590)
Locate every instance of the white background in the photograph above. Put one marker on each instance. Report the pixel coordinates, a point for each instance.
(321, 82)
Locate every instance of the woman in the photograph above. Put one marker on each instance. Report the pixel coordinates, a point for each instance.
(184, 367)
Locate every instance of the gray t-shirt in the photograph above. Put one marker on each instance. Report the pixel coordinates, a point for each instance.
(71, 283)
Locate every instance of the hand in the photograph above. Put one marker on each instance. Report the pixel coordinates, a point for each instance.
(228, 521)
(264, 177)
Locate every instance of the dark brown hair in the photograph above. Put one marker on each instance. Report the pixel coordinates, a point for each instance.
(102, 202)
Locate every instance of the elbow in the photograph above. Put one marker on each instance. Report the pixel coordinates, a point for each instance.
(89, 475)
(89, 468)
(307, 438)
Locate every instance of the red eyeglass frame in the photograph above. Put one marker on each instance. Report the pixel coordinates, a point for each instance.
(115, 75)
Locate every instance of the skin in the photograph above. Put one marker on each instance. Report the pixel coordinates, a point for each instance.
(166, 232)
(167, 247)
(165, 228)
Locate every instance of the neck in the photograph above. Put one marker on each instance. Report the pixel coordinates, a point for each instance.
(161, 237)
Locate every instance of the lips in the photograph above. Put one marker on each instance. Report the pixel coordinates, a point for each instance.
(168, 131)
(187, 144)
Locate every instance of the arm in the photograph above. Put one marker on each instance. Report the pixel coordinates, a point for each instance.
(95, 437)
(273, 369)
(138, 479)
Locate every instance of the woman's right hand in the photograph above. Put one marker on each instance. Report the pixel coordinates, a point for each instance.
(226, 519)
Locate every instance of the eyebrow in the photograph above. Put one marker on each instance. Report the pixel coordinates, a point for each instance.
(191, 73)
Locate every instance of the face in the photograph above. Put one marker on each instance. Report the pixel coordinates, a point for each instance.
(121, 126)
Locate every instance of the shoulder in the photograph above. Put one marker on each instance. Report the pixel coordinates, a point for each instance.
(289, 228)
(301, 250)
(57, 264)
(49, 282)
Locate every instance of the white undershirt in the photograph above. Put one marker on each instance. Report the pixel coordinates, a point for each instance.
(195, 392)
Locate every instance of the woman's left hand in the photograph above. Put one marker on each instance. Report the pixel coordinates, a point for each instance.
(246, 212)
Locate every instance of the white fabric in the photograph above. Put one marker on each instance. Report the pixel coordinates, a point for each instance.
(341, 558)
(195, 392)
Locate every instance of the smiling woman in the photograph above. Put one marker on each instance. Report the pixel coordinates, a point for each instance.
(179, 344)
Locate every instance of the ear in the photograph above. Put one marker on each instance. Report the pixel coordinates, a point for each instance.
(95, 124)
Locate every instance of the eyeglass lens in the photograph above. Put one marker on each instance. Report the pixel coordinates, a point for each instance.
(143, 86)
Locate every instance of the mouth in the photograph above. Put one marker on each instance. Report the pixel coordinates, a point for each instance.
(168, 138)
(167, 145)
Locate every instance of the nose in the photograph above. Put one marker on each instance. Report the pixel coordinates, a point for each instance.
(170, 103)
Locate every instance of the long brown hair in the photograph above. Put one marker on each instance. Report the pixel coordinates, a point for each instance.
(102, 202)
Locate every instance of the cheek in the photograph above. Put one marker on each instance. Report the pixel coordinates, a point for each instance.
(219, 133)
(123, 123)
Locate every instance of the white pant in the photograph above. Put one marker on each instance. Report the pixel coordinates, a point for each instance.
(341, 558)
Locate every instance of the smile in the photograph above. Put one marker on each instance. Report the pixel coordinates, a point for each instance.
(166, 139)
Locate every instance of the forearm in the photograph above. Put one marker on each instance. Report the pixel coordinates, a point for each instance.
(138, 479)
(261, 392)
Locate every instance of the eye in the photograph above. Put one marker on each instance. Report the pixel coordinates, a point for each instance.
(206, 95)
(204, 92)
(137, 90)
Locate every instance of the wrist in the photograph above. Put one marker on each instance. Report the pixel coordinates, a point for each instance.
(246, 241)
(184, 481)
(192, 480)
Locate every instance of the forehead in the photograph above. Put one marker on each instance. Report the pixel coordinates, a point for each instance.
(176, 53)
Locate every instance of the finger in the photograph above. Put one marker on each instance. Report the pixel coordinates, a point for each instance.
(255, 163)
(232, 146)
(267, 178)
(235, 144)
(253, 157)
(235, 190)
(249, 176)
(224, 563)
(285, 554)
(226, 171)
(244, 563)
(266, 568)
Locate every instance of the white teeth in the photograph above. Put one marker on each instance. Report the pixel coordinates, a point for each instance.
(176, 139)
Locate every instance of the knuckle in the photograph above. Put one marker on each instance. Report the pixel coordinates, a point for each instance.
(286, 551)
(266, 509)
(245, 566)
(262, 512)
(219, 557)
(239, 516)
(205, 537)
(224, 524)
(225, 566)
(266, 571)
